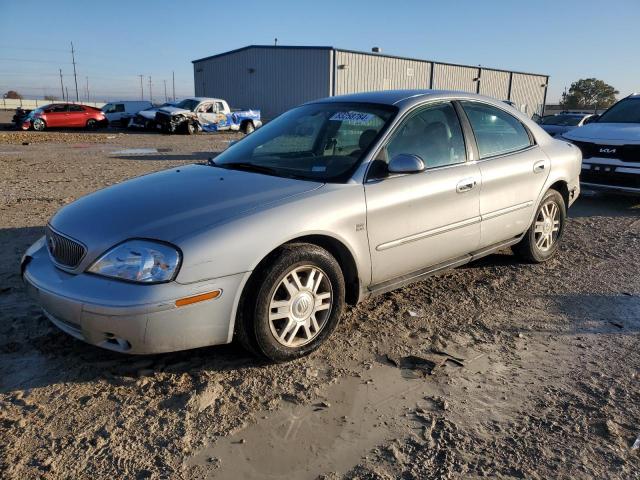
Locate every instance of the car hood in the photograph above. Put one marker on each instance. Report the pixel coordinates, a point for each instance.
(173, 110)
(618, 132)
(170, 204)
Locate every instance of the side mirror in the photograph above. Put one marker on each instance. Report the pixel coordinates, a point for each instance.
(406, 163)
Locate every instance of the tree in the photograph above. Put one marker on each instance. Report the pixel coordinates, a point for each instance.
(13, 95)
(590, 93)
(51, 98)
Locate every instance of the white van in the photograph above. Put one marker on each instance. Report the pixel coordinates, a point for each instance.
(115, 111)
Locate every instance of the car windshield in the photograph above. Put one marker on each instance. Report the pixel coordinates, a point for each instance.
(109, 108)
(625, 111)
(321, 141)
(188, 104)
(562, 120)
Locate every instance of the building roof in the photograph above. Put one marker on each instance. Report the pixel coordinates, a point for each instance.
(373, 54)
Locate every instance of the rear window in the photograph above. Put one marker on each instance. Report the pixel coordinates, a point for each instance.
(496, 131)
(562, 120)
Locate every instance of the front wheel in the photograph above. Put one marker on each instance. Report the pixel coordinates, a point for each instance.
(92, 124)
(292, 304)
(541, 241)
(39, 125)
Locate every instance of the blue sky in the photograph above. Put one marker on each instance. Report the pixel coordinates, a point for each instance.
(118, 40)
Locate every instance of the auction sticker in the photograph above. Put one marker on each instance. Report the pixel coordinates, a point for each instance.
(352, 117)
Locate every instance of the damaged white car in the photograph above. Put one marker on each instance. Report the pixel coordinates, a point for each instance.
(193, 115)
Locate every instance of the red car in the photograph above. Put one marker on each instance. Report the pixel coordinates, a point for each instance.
(59, 115)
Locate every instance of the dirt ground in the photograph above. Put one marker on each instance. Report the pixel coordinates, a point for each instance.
(497, 369)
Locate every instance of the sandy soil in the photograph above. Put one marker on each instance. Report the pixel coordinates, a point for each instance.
(497, 369)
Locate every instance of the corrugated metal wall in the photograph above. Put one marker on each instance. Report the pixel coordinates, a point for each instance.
(527, 92)
(275, 79)
(357, 72)
(494, 83)
(454, 77)
(270, 79)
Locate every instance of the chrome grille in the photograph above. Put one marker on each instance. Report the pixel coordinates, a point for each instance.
(63, 250)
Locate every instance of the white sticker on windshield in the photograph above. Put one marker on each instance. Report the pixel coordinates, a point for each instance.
(352, 117)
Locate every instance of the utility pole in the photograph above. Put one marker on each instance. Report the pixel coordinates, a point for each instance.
(62, 86)
(67, 90)
(73, 59)
(165, 91)
(87, 78)
(141, 88)
(173, 76)
(275, 42)
(150, 94)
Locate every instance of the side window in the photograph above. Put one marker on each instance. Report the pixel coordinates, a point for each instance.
(59, 108)
(119, 107)
(76, 108)
(219, 107)
(496, 131)
(433, 134)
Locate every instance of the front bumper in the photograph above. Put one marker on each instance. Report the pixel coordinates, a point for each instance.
(131, 318)
(611, 174)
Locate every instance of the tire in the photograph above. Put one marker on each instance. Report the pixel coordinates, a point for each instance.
(248, 128)
(283, 322)
(39, 125)
(92, 124)
(191, 128)
(549, 223)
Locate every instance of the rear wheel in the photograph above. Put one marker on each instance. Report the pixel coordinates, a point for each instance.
(248, 127)
(39, 125)
(292, 304)
(541, 241)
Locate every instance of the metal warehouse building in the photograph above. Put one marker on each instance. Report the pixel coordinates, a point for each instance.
(276, 78)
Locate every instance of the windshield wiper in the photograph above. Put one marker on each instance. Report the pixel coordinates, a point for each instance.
(248, 167)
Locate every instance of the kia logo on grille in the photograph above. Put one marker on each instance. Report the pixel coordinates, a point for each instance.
(607, 150)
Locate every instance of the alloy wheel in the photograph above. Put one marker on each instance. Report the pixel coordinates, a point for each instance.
(300, 306)
(547, 226)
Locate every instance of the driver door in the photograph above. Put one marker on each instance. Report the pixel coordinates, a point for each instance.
(427, 218)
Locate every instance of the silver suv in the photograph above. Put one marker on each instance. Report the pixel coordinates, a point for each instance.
(330, 203)
(610, 147)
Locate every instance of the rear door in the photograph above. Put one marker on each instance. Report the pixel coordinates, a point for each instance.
(513, 169)
(423, 219)
(77, 116)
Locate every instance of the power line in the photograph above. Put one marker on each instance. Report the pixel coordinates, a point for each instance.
(141, 88)
(61, 84)
(73, 59)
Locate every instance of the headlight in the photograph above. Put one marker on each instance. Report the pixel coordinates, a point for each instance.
(142, 261)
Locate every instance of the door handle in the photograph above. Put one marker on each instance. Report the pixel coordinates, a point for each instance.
(539, 167)
(466, 185)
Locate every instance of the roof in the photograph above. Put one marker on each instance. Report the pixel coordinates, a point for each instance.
(373, 54)
(398, 97)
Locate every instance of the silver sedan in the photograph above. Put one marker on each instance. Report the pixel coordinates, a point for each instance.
(332, 202)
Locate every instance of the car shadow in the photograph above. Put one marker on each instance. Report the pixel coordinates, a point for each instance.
(605, 204)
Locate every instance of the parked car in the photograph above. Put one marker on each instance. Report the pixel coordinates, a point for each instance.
(19, 116)
(196, 114)
(122, 111)
(62, 115)
(147, 118)
(561, 123)
(610, 147)
(330, 203)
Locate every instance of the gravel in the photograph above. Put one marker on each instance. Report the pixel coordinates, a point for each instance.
(544, 382)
